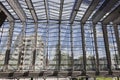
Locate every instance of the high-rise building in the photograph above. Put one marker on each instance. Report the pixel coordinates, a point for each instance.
(25, 47)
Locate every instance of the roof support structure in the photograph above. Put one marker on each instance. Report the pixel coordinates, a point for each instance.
(61, 9)
(9, 42)
(75, 10)
(71, 41)
(18, 9)
(9, 16)
(112, 16)
(31, 8)
(116, 31)
(59, 45)
(89, 11)
(105, 8)
(59, 50)
(21, 53)
(61, 74)
(117, 21)
(46, 9)
(96, 49)
(105, 36)
(83, 48)
(35, 45)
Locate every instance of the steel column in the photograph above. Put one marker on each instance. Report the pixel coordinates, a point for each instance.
(71, 41)
(96, 49)
(34, 51)
(105, 36)
(9, 42)
(21, 53)
(83, 48)
(117, 41)
(59, 49)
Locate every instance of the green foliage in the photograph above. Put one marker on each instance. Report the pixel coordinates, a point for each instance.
(104, 78)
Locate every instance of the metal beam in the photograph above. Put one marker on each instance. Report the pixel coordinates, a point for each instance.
(83, 48)
(71, 41)
(105, 8)
(117, 21)
(89, 11)
(106, 43)
(32, 10)
(116, 31)
(49, 74)
(22, 48)
(59, 36)
(59, 49)
(9, 16)
(112, 16)
(18, 9)
(61, 9)
(75, 10)
(46, 9)
(96, 49)
(35, 45)
(9, 42)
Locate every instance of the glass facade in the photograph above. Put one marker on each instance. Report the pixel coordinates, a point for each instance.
(60, 35)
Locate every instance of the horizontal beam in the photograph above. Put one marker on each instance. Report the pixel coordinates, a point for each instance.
(89, 11)
(105, 8)
(9, 16)
(60, 74)
(18, 9)
(32, 10)
(112, 16)
(75, 10)
(46, 9)
(61, 10)
(117, 21)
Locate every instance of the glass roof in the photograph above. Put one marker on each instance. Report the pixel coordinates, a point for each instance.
(49, 10)
(59, 35)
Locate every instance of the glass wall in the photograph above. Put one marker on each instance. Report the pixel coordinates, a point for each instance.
(56, 46)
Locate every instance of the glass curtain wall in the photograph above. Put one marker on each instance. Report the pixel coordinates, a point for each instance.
(57, 46)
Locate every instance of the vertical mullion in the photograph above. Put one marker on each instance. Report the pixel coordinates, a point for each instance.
(104, 29)
(117, 40)
(46, 48)
(59, 49)
(9, 42)
(21, 53)
(72, 55)
(83, 48)
(34, 51)
(96, 49)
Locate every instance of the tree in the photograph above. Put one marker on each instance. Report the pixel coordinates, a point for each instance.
(62, 59)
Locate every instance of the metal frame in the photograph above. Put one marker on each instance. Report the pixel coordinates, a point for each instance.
(112, 16)
(9, 42)
(106, 7)
(31, 8)
(18, 9)
(83, 48)
(105, 36)
(89, 11)
(75, 10)
(60, 74)
(117, 39)
(96, 50)
(46, 10)
(9, 16)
